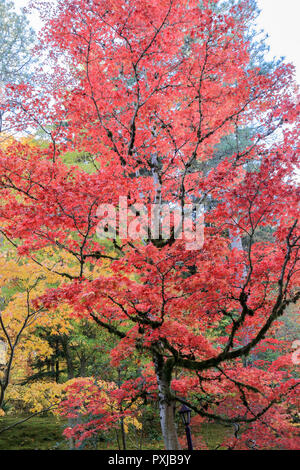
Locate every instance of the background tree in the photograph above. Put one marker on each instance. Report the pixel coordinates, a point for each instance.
(19, 283)
(16, 44)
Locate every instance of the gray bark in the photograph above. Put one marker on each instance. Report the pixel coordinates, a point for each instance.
(166, 408)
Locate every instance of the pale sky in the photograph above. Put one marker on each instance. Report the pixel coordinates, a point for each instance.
(279, 18)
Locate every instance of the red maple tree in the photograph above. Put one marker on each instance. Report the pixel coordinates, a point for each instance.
(167, 102)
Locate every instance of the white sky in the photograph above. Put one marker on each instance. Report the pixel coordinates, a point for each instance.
(279, 18)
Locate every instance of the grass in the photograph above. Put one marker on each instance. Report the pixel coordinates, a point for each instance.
(45, 433)
(41, 433)
(213, 434)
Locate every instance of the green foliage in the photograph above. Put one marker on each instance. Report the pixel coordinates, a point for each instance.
(16, 40)
(83, 160)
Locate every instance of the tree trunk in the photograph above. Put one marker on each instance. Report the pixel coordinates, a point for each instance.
(166, 404)
(123, 434)
(71, 439)
(57, 371)
(2, 390)
(82, 368)
(67, 354)
(166, 408)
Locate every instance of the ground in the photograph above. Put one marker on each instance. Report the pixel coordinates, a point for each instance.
(45, 433)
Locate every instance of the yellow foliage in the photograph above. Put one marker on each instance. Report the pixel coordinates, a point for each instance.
(37, 396)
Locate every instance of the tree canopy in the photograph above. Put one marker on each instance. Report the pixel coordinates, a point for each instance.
(166, 105)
